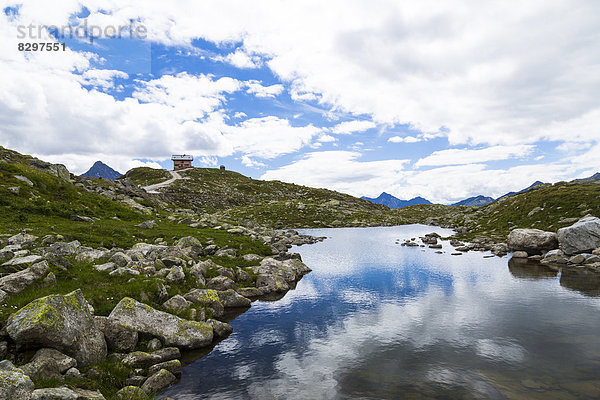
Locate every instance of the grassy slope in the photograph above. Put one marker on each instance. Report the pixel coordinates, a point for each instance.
(238, 198)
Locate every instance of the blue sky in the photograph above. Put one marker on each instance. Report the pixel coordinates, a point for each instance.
(443, 102)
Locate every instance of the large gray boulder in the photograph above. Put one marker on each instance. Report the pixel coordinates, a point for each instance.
(582, 236)
(60, 322)
(15, 283)
(170, 329)
(533, 241)
(230, 298)
(14, 384)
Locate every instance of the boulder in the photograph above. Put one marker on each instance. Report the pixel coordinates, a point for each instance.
(141, 359)
(533, 241)
(173, 366)
(177, 303)
(577, 259)
(170, 329)
(123, 271)
(19, 261)
(90, 254)
(221, 329)
(22, 239)
(230, 298)
(120, 259)
(154, 344)
(119, 337)
(250, 292)
(221, 283)
(147, 224)
(60, 322)
(48, 363)
(64, 249)
(15, 283)
(582, 236)
(159, 382)
(108, 267)
(271, 283)
(14, 384)
(131, 393)
(60, 393)
(189, 241)
(81, 218)
(167, 354)
(176, 275)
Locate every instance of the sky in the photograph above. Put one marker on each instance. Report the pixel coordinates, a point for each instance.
(443, 100)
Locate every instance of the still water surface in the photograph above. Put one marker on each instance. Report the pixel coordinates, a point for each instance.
(377, 320)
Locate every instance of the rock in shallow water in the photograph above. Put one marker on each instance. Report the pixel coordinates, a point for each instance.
(582, 236)
(533, 241)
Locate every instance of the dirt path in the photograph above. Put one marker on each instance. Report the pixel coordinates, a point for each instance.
(154, 188)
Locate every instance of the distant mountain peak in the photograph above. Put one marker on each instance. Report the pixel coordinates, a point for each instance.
(101, 170)
(393, 202)
(477, 201)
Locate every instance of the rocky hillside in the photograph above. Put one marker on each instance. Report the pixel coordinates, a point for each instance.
(239, 199)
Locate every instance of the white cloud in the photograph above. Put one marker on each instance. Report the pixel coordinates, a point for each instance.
(268, 137)
(471, 156)
(326, 139)
(249, 162)
(102, 78)
(240, 59)
(339, 170)
(403, 139)
(350, 127)
(256, 88)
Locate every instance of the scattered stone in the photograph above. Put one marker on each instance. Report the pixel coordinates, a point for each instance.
(131, 393)
(108, 267)
(147, 224)
(17, 282)
(81, 218)
(49, 280)
(221, 283)
(170, 329)
(167, 354)
(21, 239)
(520, 254)
(176, 275)
(19, 261)
(48, 363)
(122, 271)
(583, 236)
(577, 259)
(60, 322)
(534, 211)
(120, 259)
(159, 382)
(173, 366)
(60, 393)
(177, 303)
(141, 359)
(73, 373)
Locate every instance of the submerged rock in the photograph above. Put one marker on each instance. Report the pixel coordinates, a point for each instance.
(170, 329)
(582, 236)
(61, 322)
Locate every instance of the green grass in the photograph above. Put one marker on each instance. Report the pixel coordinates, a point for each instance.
(145, 176)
